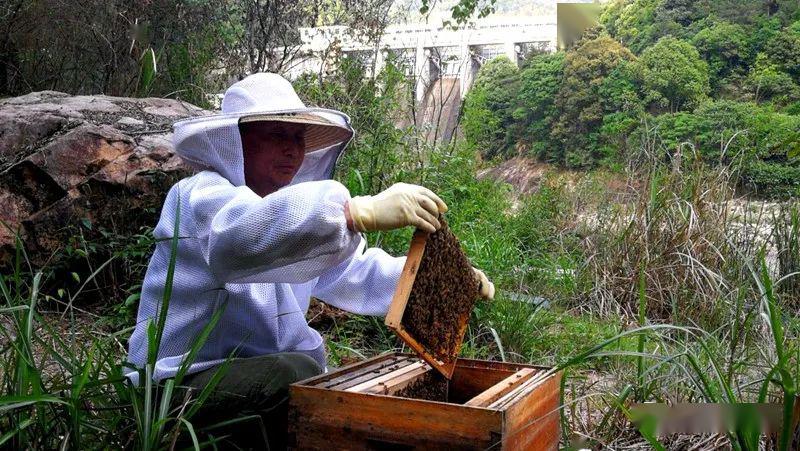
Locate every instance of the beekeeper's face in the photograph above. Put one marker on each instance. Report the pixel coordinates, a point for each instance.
(273, 153)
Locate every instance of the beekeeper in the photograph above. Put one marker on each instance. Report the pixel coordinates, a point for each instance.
(261, 229)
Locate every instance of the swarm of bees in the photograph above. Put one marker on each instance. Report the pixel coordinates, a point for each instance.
(442, 297)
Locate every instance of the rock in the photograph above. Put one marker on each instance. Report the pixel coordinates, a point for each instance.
(129, 122)
(66, 160)
(524, 174)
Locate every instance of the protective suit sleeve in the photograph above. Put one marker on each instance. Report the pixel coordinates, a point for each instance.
(292, 235)
(363, 284)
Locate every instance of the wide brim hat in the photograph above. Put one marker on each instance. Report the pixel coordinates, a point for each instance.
(320, 133)
(214, 141)
(268, 97)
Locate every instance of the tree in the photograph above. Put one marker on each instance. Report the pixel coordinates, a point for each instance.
(379, 150)
(631, 22)
(271, 35)
(463, 10)
(97, 46)
(487, 107)
(673, 74)
(724, 47)
(784, 50)
(581, 101)
(681, 12)
(535, 112)
(767, 81)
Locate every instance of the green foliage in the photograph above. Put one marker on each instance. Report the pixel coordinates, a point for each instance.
(768, 82)
(773, 179)
(632, 22)
(148, 70)
(701, 65)
(531, 332)
(673, 74)
(380, 154)
(756, 140)
(589, 90)
(724, 125)
(69, 390)
(110, 47)
(463, 10)
(725, 47)
(680, 12)
(535, 111)
(488, 106)
(784, 51)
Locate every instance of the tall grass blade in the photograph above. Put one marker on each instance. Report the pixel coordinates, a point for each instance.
(14, 432)
(640, 396)
(15, 402)
(161, 319)
(163, 411)
(192, 434)
(499, 344)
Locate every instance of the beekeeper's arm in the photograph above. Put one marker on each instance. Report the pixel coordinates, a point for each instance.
(365, 283)
(292, 235)
(402, 203)
(362, 284)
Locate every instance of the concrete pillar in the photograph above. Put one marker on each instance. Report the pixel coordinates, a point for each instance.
(510, 51)
(380, 61)
(421, 71)
(464, 70)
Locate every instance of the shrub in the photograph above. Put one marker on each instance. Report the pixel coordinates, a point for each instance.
(488, 107)
(767, 81)
(784, 50)
(631, 22)
(725, 48)
(589, 75)
(380, 153)
(673, 74)
(773, 179)
(535, 112)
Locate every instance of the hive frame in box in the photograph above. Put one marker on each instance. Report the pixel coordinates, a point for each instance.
(394, 318)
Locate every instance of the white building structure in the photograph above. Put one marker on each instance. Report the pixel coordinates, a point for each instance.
(432, 52)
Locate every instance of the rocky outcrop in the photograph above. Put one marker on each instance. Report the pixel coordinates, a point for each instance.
(97, 161)
(524, 174)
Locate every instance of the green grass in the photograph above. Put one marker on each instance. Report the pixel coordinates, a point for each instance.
(528, 333)
(66, 389)
(660, 295)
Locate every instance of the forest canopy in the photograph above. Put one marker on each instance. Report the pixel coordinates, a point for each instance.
(721, 76)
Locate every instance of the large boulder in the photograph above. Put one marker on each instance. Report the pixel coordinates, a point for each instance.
(97, 161)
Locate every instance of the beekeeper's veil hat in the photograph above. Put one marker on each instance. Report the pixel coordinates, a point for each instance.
(214, 142)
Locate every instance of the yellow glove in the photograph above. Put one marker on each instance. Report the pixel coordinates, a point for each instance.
(486, 288)
(398, 206)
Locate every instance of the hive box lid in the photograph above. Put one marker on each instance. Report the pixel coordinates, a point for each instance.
(397, 311)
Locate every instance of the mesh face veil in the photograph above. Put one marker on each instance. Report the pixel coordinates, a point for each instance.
(213, 142)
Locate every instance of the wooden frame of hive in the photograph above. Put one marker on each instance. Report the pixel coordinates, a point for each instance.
(490, 404)
(394, 317)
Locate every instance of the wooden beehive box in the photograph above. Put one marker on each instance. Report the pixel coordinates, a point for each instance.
(489, 405)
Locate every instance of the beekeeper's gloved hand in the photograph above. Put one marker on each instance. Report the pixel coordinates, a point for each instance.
(398, 206)
(486, 288)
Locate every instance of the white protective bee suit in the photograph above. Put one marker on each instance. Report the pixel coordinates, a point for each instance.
(265, 256)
